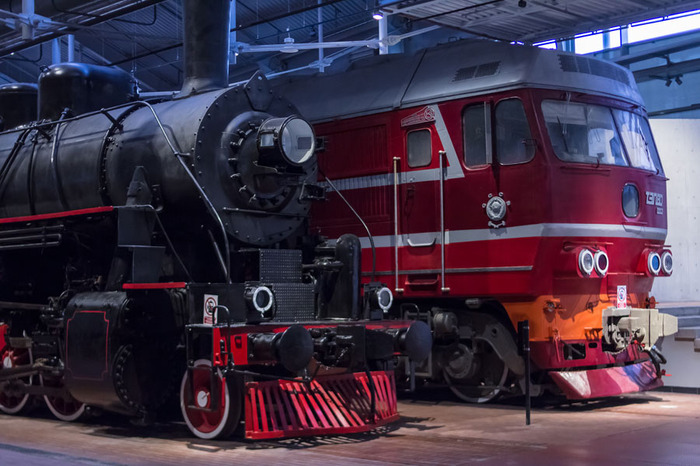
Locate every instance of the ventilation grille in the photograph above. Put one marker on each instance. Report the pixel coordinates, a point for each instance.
(574, 64)
(478, 71)
(280, 265)
(295, 302)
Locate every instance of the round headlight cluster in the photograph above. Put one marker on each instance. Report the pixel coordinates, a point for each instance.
(667, 262)
(654, 263)
(601, 263)
(588, 261)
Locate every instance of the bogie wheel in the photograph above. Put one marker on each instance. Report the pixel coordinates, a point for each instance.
(475, 373)
(63, 407)
(201, 420)
(12, 403)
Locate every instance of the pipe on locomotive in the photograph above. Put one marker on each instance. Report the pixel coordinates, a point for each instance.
(207, 45)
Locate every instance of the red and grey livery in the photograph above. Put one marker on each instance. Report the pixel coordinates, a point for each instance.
(503, 183)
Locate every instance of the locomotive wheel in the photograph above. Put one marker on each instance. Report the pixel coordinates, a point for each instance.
(65, 408)
(12, 357)
(210, 424)
(476, 375)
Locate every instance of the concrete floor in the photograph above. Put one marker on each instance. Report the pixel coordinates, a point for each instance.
(651, 429)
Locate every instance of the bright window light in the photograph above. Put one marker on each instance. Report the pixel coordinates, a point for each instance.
(657, 27)
(594, 42)
(660, 27)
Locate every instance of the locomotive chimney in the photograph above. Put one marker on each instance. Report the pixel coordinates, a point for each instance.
(206, 45)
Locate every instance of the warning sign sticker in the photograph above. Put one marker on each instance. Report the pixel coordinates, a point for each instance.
(621, 296)
(210, 303)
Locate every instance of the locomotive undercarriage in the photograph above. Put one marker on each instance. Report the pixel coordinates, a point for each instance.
(474, 352)
(114, 338)
(478, 353)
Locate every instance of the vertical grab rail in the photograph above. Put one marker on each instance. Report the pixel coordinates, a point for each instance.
(441, 155)
(396, 225)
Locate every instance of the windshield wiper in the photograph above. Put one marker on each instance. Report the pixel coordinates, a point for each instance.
(563, 135)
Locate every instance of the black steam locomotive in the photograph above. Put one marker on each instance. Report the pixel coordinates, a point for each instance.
(140, 241)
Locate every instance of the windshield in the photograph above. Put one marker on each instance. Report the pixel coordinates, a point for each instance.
(636, 135)
(600, 135)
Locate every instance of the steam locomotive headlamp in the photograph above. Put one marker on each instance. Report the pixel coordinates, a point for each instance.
(383, 298)
(601, 263)
(586, 262)
(260, 298)
(654, 263)
(289, 140)
(667, 262)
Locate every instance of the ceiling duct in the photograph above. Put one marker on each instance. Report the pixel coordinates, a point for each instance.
(206, 34)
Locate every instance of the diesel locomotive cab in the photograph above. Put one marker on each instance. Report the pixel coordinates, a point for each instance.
(516, 184)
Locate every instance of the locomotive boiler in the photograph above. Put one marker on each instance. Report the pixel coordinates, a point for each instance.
(144, 240)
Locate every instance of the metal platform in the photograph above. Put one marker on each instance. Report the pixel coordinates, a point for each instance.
(658, 428)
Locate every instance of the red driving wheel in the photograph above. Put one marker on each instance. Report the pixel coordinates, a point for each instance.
(12, 402)
(63, 407)
(196, 402)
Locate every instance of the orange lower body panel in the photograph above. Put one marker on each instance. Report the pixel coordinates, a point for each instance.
(338, 404)
(610, 381)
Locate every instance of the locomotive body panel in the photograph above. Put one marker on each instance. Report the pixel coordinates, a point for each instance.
(500, 167)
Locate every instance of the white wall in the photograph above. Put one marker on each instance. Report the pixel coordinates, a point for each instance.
(678, 141)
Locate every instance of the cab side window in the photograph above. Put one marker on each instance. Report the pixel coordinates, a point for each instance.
(514, 143)
(419, 148)
(476, 128)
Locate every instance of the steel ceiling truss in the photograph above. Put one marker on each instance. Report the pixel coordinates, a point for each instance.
(535, 20)
(121, 33)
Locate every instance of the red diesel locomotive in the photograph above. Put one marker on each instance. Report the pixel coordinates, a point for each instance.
(502, 183)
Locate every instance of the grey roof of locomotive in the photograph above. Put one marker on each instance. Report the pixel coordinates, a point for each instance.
(455, 70)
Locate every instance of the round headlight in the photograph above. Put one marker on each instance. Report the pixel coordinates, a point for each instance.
(601, 263)
(654, 263)
(630, 200)
(288, 140)
(298, 142)
(262, 299)
(586, 263)
(667, 262)
(385, 298)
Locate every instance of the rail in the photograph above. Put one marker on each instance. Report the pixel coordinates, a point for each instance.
(396, 225)
(441, 156)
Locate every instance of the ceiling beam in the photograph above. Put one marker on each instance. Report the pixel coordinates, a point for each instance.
(667, 72)
(676, 45)
(130, 7)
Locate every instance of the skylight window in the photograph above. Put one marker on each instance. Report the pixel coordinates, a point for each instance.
(594, 41)
(660, 27)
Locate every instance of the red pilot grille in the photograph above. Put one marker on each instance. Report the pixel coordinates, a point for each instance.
(339, 404)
